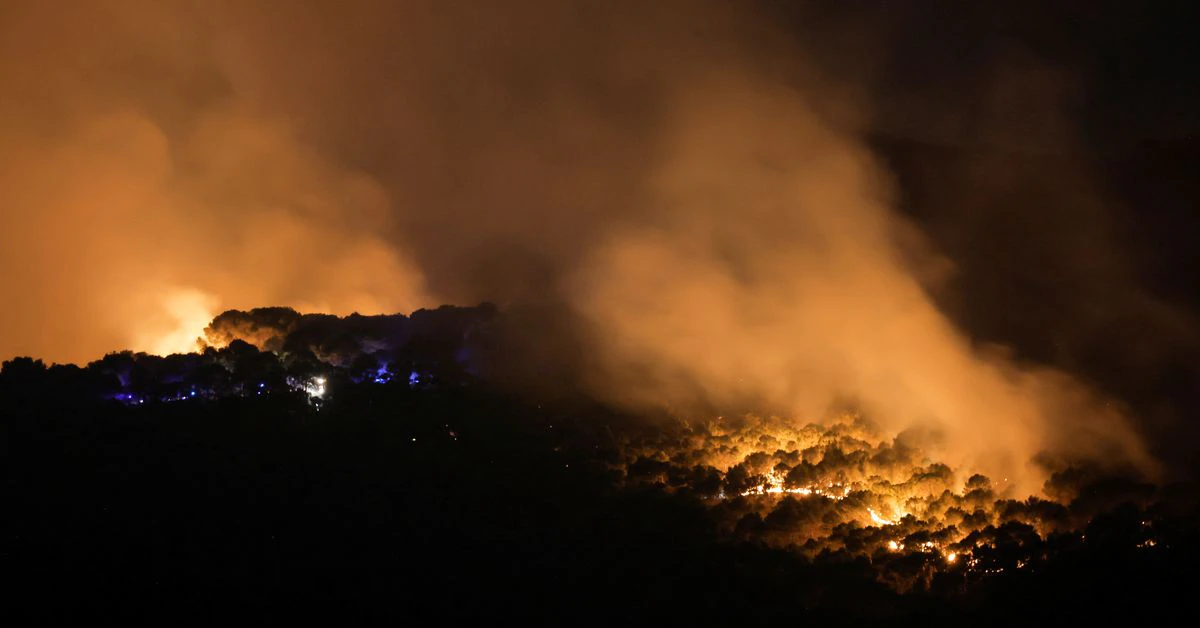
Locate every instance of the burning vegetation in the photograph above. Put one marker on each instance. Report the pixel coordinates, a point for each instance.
(697, 205)
(843, 492)
(385, 455)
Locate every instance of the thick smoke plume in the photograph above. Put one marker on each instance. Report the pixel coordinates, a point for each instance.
(772, 269)
(676, 173)
(142, 192)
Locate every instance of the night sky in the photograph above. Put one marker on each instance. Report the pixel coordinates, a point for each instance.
(972, 223)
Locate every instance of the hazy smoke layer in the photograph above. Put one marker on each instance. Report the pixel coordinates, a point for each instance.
(771, 270)
(142, 194)
(675, 171)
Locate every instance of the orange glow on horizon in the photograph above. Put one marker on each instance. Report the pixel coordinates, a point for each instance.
(183, 315)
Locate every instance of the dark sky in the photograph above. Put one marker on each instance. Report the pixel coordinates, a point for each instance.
(1126, 70)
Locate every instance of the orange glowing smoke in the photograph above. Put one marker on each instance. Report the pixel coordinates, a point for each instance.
(678, 174)
(845, 490)
(186, 312)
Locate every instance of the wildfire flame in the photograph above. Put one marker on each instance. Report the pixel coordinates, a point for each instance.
(844, 487)
(182, 316)
(879, 520)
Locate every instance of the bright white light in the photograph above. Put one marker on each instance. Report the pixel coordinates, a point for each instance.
(315, 387)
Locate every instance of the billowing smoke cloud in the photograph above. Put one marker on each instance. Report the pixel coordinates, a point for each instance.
(141, 195)
(676, 173)
(772, 269)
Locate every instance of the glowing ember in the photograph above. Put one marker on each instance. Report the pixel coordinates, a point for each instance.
(834, 487)
(774, 486)
(879, 520)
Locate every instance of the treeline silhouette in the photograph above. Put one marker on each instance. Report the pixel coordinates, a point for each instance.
(274, 350)
(450, 501)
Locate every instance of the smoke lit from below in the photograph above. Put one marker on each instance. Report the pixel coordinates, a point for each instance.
(185, 314)
(772, 272)
(713, 218)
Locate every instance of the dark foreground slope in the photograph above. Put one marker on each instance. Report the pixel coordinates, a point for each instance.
(451, 505)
